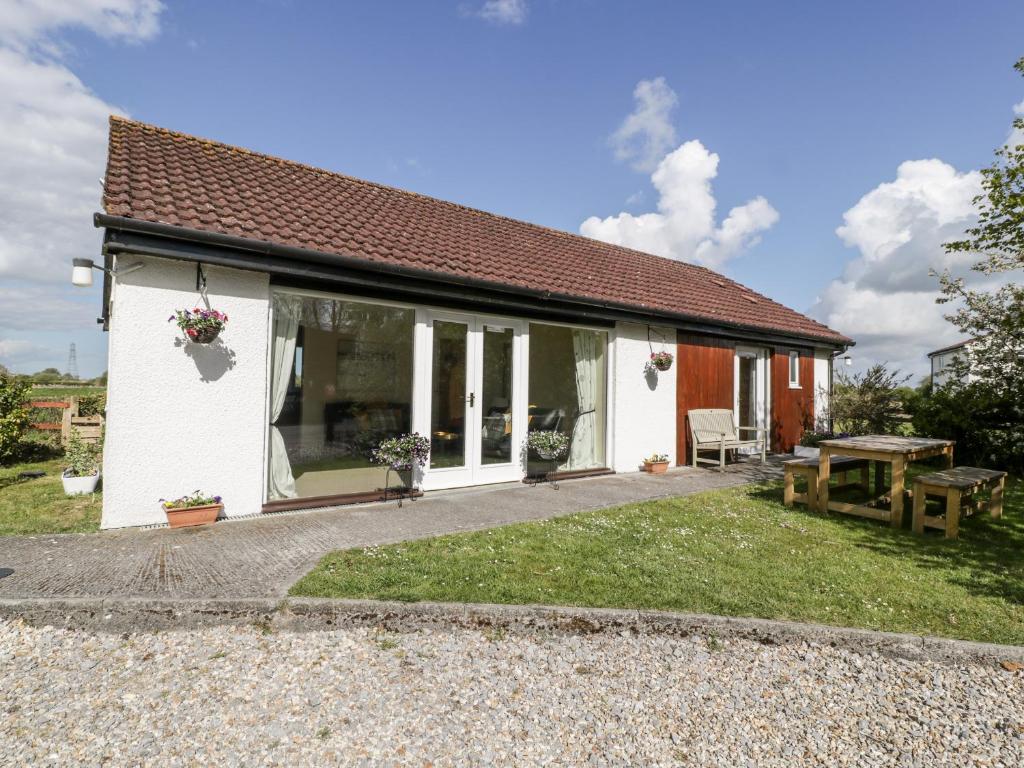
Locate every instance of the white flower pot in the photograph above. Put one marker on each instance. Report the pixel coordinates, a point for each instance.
(76, 486)
(806, 451)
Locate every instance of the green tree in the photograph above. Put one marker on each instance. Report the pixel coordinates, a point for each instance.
(13, 416)
(990, 379)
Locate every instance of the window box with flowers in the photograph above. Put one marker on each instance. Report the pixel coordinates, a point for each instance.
(656, 464)
(196, 508)
(201, 326)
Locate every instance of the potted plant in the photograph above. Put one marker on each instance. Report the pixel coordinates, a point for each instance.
(402, 454)
(660, 361)
(200, 325)
(656, 464)
(194, 509)
(549, 444)
(83, 470)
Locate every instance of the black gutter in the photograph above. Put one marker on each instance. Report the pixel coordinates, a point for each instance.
(301, 264)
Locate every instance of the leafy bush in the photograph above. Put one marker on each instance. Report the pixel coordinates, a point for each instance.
(988, 427)
(82, 458)
(13, 416)
(868, 403)
(92, 405)
(811, 439)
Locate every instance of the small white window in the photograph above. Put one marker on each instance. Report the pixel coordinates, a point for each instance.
(794, 368)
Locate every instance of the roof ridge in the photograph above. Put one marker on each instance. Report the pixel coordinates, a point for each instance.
(410, 193)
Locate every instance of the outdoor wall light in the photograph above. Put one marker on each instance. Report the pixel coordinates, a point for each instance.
(848, 360)
(81, 271)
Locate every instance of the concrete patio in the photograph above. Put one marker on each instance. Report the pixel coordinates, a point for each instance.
(263, 557)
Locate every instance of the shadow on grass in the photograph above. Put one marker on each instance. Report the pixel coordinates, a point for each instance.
(987, 560)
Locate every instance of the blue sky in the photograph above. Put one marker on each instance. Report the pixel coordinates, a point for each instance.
(810, 105)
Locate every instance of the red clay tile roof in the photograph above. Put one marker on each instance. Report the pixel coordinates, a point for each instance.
(156, 175)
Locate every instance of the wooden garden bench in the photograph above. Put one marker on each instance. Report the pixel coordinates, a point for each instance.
(957, 486)
(713, 429)
(808, 469)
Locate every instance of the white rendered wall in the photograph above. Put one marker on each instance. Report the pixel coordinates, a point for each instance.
(644, 406)
(182, 417)
(822, 358)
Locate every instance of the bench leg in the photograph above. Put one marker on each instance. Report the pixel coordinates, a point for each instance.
(812, 491)
(919, 507)
(694, 454)
(952, 513)
(787, 491)
(721, 456)
(995, 504)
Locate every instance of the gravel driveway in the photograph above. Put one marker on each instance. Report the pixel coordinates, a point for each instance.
(244, 696)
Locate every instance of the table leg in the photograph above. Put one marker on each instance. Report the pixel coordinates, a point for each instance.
(995, 503)
(879, 478)
(896, 510)
(824, 470)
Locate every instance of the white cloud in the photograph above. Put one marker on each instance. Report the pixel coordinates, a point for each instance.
(684, 226)
(53, 135)
(13, 350)
(30, 22)
(647, 133)
(503, 11)
(885, 299)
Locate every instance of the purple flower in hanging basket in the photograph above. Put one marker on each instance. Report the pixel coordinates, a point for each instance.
(402, 453)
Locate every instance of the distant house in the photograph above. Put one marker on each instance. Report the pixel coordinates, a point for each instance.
(359, 311)
(942, 361)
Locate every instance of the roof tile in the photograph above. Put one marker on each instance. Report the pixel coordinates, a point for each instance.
(158, 175)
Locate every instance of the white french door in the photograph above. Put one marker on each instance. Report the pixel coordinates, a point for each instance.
(472, 400)
(750, 393)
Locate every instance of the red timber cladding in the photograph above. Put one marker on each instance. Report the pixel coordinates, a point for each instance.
(792, 409)
(704, 379)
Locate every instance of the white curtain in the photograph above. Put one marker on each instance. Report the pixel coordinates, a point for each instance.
(281, 483)
(583, 453)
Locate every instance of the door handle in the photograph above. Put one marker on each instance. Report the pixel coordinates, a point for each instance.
(471, 399)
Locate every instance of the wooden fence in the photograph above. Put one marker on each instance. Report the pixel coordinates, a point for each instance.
(89, 428)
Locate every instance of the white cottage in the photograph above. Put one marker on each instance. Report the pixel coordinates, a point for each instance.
(359, 312)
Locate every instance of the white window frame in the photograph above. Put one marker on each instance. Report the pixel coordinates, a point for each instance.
(794, 372)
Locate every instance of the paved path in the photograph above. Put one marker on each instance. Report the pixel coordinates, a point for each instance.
(263, 557)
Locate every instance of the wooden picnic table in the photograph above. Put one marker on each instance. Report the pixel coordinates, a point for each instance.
(882, 449)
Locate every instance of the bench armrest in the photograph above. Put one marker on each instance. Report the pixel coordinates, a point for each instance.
(751, 429)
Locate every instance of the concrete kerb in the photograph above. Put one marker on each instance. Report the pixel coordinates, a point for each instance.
(126, 615)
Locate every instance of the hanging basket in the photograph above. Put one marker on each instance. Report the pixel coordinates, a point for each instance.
(662, 364)
(203, 335)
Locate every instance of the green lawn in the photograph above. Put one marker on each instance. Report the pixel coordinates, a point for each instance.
(40, 506)
(736, 552)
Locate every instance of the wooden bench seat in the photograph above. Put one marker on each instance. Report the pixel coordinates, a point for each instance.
(808, 469)
(956, 486)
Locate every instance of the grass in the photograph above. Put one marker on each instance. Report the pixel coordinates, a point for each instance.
(735, 552)
(40, 506)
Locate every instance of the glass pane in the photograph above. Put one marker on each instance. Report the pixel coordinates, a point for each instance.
(343, 381)
(448, 396)
(747, 393)
(496, 397)
(567, 391)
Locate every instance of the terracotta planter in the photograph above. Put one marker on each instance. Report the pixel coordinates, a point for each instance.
(204, 335)
(656, 467)
(181, 517)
